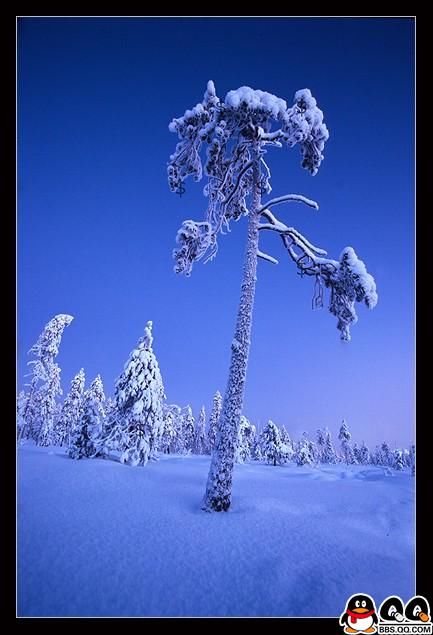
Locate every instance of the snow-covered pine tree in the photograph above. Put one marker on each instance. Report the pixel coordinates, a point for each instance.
(86, 437)
(345, 436)
(356, 452)
(270, 444)
(304, 454)
(71, 411)
(171, 413)
(238, 130)
(329, 455)
(245, 441)
(138, 422)
(398, 462)
(386, 456)
(188, 430)
(200, 433)
(44, 387)
(214, 420)
(287, 451)
(256, 450)
(48, 408)
(321, 443)
(364, 455)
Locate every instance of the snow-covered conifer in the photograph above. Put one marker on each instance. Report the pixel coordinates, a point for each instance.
(48, 407)
(329, 455)
(237, 131)
(345, 436)
(386, 456)
(200, 433)
(86, 437)
(364, 455)
(137, 424)
(398, 462)
(245, 441)
(44, 388)
(304, 453)
(270, 444)
(71, 410)
(188, 429)
(171, 428)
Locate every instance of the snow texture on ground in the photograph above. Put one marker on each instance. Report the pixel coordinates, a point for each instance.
(97, 538)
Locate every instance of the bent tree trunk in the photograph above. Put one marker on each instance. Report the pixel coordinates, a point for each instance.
(219, 483)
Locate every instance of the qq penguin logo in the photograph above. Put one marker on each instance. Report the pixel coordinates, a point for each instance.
(360, 615)
(397, 619)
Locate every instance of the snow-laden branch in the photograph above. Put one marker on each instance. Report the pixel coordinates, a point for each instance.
(267, 257)
(287, 198)
(347, 278)
(276, 225)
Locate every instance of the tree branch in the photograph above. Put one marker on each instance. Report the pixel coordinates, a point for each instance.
(298, 198)
(264, 256)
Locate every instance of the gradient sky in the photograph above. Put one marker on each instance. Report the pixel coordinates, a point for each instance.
(97, 222)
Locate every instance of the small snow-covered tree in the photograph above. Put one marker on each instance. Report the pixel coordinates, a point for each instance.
(244, 447)
(85, 439)
(200, 433)
(188, 429)
(214, 419)
(398, 462)
(345, 436)
(238, 131)
(138, 422)
(71, 410)
(44, 388)
(270, 444)
(329, 455)
(304, 453)
(386, 456)
(48, 407)
(364, 455)
(171, 428)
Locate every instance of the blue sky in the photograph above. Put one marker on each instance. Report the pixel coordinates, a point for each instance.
(97, 222)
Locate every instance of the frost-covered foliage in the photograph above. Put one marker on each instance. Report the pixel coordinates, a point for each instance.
(71, 410)
(86, 438)
(171, 439)
(227, 128)
(214, 419)
(398, 460)
(245, 441)
(21, 406)
(200, 433)
(329, 455)
(304, 454)
(364, 455)
(137, 425)
(48, 407)
(272, 449)
(40, 410)
(188, 429)
(347, 450)
(350, 283)
(324, 448)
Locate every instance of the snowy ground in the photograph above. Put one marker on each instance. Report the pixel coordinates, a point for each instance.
(96, 538)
